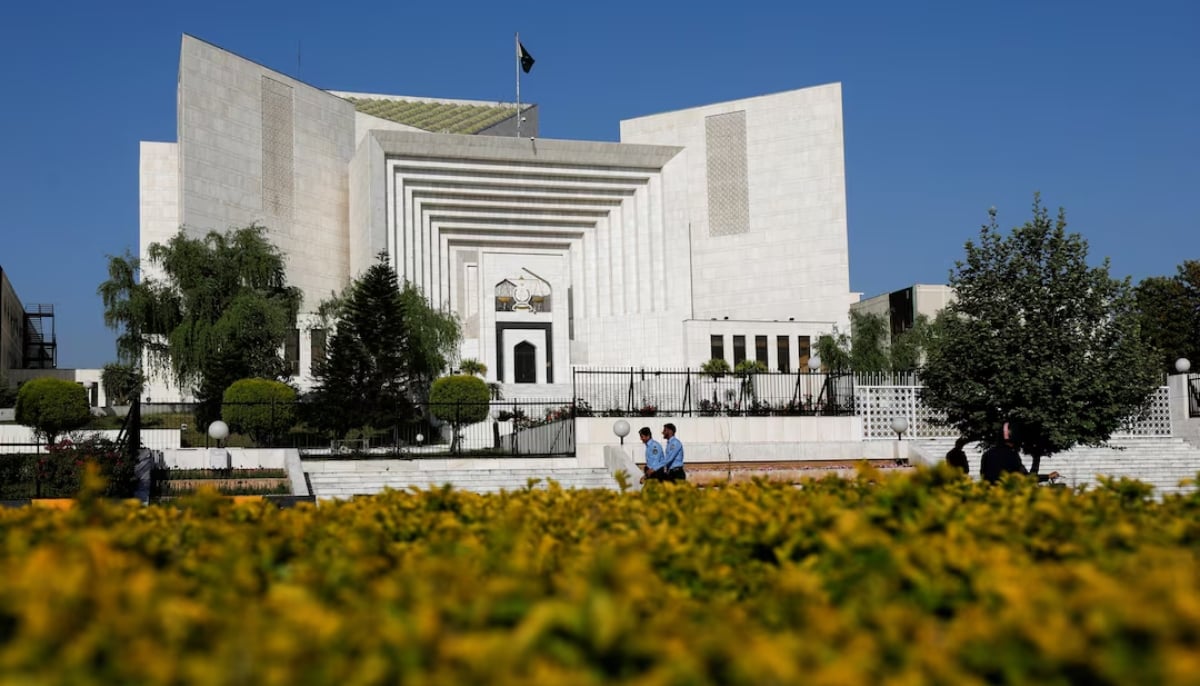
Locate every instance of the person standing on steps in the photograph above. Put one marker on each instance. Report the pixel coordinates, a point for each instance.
(957, 457)
(1006, 458)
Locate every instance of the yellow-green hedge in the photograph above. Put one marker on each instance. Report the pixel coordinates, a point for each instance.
(910, 579)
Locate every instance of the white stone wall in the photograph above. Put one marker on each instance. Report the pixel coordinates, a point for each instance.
(792, 260)
(732, 439)
(368, 209)
(365, 123)
(158, 198)
(221, 152)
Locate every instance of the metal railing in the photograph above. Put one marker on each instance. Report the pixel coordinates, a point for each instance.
(631, 392)
(1193, 386)
(524, 427)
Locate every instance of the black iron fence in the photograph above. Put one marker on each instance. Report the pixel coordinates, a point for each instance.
(500, 428)
(684, 392)
(1193, 395)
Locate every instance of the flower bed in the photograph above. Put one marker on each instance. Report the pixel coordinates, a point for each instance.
(921, 577)
(175, 482)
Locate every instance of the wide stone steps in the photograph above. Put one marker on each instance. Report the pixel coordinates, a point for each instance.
(360, 481)
(1160, 462)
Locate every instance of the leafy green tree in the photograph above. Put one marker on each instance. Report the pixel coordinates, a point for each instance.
(833, 350)
(385, 347)
(434, 336)
(909, 347)
(122, 383)
(473, 367)
(1170, 314)
(137, 310)
(1039, 338)
(715, 368)
(223, 309)
(749, 367)
(459, 399)
(260, 408)
(52, 406)
(869, 342)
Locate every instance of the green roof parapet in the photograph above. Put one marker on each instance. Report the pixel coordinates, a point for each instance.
(436, 117)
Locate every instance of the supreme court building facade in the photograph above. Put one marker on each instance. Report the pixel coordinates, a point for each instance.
(712, 231)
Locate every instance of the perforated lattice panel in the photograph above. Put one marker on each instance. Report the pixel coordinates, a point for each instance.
(728, 185)
(879, 405)
(1155, 422)
(277, 149)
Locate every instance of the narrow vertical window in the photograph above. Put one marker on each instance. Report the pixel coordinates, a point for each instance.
(805, 350)
(291, 352)
(317, 346)
(760, 350)
(717, 347)
(739, 350)
(783, 353)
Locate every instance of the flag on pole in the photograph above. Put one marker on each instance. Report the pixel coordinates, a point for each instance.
(525, 57)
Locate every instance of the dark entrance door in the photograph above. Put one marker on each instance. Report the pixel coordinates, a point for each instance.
(525, 362)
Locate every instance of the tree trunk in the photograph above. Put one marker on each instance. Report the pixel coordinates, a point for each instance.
(1037, 463)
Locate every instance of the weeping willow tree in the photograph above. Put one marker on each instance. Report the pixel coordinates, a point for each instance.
(220, 311)
(133, 309)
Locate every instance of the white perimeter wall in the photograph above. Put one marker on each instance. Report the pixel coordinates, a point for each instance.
(734, 439)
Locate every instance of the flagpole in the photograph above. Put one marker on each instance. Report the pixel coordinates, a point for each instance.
(517, 58)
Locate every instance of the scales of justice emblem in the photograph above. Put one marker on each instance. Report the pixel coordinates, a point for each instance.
(521, 297)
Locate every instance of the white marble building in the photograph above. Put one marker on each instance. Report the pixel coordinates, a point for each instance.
(716, 230)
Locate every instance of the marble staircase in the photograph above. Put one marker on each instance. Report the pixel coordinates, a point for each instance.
(1160, 462)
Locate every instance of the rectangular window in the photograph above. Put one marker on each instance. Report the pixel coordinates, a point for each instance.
(804, 349)
(317, 346)
(783, 353)
(291, 352)
(760, 350)
(717, 346)
(739, 349)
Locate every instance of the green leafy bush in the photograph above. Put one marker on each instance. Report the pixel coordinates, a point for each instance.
(58, 472)
(259, 408)
(716, 368)
(913, 577)
(459, 399)
(749, 367)
(52, 406)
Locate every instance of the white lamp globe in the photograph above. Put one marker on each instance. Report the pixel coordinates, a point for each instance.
(621, 428)
(1183, 365)
(814, 363)
(218, 430)
(900, 425)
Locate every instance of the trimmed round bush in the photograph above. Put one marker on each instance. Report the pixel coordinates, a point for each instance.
(259, 408)
(460, 399)
(52, 406)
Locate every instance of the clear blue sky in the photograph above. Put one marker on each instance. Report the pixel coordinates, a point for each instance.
(950, 107)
